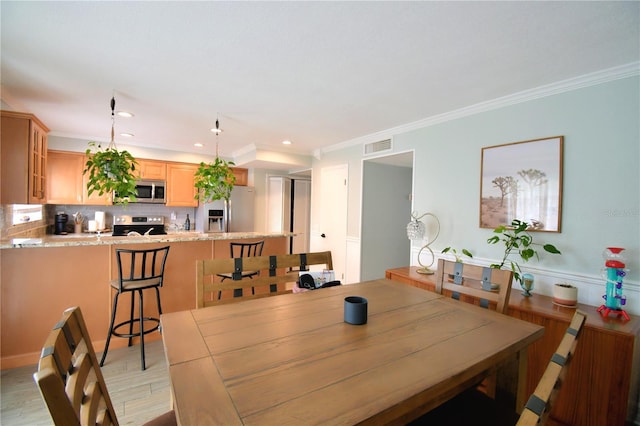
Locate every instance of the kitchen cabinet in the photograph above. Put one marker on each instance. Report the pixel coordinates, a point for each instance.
(181, 190)
(64, 177)
(65, 182)
(23, 150)
(151, 169)
(242, 176)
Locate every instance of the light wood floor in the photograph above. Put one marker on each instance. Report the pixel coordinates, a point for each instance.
(138, 396)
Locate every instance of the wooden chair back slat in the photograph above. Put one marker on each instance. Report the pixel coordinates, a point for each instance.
(208, 283)
(69, 378)
(539, 404)
(471, 282)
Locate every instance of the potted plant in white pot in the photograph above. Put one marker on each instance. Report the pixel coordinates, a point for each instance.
(518, 242)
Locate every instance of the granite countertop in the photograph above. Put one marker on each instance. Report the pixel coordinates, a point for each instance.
(87, 239)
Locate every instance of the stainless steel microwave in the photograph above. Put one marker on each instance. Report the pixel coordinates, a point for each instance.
(151, 191)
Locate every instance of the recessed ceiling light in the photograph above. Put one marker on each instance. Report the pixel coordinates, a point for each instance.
(124, 114)
(286, 142)
(198, 145)
(127, 135)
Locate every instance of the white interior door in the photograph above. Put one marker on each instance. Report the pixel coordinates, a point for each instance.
(332, 216)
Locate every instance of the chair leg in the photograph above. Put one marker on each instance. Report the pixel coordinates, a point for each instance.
(113, 319)
(159, 307)
(142, 361)
(159, 304)
(133, 298)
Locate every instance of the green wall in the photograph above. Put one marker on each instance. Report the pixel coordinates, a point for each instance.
(601, 191)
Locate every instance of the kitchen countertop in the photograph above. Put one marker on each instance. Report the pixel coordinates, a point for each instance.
(86, 239)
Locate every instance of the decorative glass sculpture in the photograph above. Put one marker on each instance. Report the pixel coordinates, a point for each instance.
(527, 284)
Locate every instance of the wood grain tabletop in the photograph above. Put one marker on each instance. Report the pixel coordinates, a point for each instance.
(291, 359)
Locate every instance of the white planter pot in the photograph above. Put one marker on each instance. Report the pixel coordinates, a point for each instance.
(565, 294)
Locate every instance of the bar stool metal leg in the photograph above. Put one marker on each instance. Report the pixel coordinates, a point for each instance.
(113, 319)
(142, 332)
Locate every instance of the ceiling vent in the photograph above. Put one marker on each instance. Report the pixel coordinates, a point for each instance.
(375, 147)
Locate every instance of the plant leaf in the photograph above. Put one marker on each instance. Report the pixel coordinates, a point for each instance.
(551, 249)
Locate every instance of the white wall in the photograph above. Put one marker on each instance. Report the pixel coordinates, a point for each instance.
(601, 192)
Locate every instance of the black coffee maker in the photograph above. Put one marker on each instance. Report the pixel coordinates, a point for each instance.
(61, 223)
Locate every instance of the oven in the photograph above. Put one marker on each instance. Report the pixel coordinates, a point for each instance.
(126, 225)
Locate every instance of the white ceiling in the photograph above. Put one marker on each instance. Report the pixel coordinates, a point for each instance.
(315, 73)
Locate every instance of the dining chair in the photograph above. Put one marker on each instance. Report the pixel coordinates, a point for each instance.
(474, 408)
(277, 270)
(481, 285)
(243, 250)
(71, 382)
(138, 270)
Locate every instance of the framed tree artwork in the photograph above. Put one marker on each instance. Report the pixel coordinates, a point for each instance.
(522, 180)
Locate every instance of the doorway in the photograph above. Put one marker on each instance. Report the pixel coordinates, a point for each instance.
(387, 186)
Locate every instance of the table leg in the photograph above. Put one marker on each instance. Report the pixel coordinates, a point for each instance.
(521, 392)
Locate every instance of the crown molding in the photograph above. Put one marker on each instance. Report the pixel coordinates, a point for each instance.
(599, 77)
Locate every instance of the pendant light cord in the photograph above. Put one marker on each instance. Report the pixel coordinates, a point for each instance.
(112, 144)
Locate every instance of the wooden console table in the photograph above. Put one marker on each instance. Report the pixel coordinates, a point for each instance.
(603, 384)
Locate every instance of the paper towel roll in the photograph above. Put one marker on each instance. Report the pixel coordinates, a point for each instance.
(91, 226)
(100, 221)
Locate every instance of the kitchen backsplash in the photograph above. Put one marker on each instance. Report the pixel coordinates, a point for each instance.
(32, 229)
(173, 216)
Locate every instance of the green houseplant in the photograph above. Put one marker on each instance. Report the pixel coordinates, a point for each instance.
(458, 256)
(214, 181)
(518, 242)
(111, 170)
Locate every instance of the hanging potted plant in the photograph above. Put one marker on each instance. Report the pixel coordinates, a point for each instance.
(110, 170)
(215, 181)
(518, 242)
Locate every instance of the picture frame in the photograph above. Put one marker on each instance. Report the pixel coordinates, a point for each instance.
(522, 180)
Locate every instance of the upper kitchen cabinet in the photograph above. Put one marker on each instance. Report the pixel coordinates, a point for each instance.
(242, 176)
(151, 169)
(64, 177)
(181, 189)
(65, 182)
(23, 150)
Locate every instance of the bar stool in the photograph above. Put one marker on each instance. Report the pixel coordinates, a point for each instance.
(138, 270)
(243, 250)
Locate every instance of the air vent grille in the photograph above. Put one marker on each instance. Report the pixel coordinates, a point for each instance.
(375, 147)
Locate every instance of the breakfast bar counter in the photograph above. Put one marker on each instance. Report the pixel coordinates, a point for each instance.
(93, 239)
(41, 277)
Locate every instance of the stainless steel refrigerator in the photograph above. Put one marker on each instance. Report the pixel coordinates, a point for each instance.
(237, 216)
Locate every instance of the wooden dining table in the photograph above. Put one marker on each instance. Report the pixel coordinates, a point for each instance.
(292, 360)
